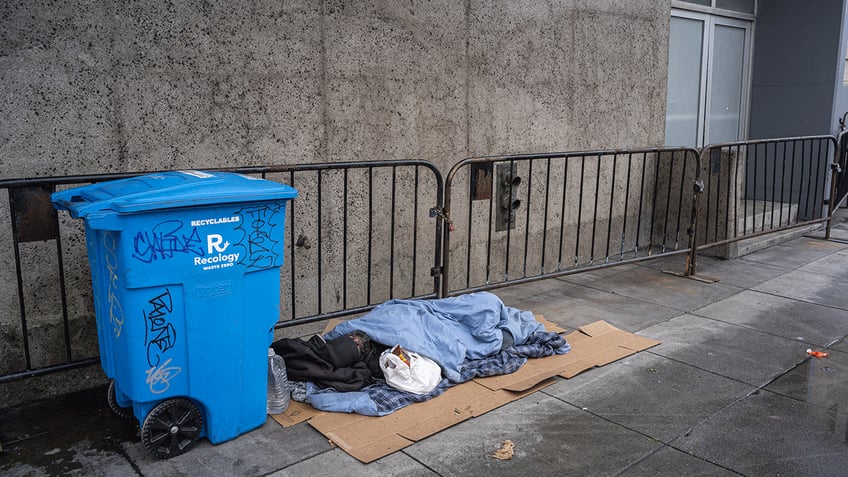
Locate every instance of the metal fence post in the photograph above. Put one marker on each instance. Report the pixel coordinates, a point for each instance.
(835, 169)
(698, 190)
(837, 186)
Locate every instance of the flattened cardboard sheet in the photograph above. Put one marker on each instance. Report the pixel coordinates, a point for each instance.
(369, 438)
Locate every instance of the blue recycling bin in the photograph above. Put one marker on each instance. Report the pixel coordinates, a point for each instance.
(185, 271)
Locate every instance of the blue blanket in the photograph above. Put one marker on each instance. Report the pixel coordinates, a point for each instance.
(449, 331)
(463, 334)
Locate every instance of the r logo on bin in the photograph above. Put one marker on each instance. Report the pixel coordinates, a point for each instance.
(216, 258)
(213, 244)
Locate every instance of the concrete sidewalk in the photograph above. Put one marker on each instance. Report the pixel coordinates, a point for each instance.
(730, 391)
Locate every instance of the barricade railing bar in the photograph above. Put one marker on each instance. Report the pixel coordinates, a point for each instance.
(522, 218)
(757, 187)
(360, 233)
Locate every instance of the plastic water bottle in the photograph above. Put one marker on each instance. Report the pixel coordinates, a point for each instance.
(279, 396)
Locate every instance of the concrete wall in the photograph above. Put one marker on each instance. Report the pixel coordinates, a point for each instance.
(93, 86)
(796, 55)
(101, 86)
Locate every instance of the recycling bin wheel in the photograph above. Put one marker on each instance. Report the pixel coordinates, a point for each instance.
(112, 399)
(171, 428)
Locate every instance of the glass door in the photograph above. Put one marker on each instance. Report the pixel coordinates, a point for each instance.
(726, 82)
(708, 61)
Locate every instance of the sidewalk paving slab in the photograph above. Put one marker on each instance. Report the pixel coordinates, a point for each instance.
(551, 437)
(338, 462)
(729, 350)
(842, 345)
(819, 382)
(589, 276)
(795, 253)
(572, 306)
(75, 433)
(258, 452)
(664, 289)
(651, 394)
(670, 462)
(728, 272)
(770, 434)
(839, 227)
(791, 319)
(810, 287)
(834, 265)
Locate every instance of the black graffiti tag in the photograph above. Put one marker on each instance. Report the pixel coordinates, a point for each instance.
(164, 240)
(159, 333)
(257, 225)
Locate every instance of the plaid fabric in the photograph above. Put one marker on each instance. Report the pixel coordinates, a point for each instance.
(539, 344)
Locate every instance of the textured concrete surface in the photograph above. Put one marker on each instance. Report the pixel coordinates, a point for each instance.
(100, 85)
(806, 286)
(670, 462)
(753, 274)
(800, 320)
(730, 391)
(585, 305)
(646, 381)
(733, 351)
(664, 289)
(760, 423)
(795, 253)
(555, 435)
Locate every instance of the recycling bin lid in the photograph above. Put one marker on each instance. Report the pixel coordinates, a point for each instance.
(169, 190)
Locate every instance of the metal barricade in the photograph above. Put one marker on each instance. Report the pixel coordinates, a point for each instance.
(757, 187)
(521, 218)
(360, 233)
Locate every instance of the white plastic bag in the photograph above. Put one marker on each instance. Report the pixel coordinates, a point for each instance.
(409, 371)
